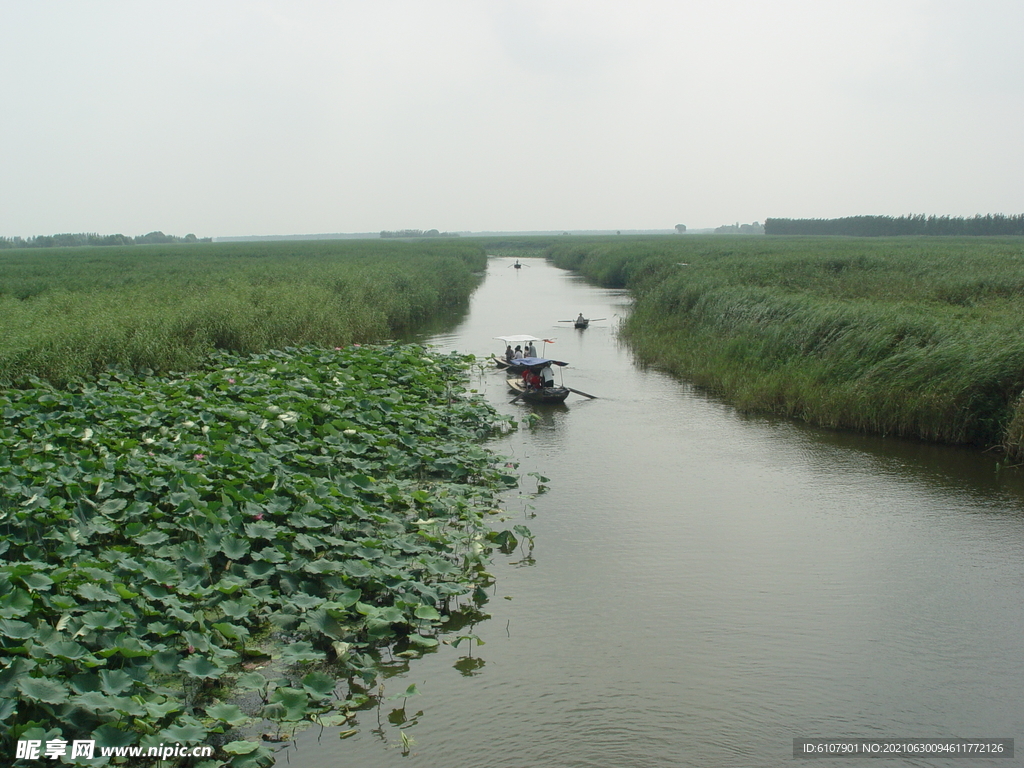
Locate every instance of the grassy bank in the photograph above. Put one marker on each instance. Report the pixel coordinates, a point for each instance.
(68, 313)
(907, 336)
(153, 530)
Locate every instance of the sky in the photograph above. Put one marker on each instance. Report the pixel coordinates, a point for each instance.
(257, 117)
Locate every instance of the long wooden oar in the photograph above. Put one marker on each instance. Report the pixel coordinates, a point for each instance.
(592, 397)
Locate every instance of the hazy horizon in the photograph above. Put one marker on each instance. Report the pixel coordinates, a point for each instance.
(234, 119)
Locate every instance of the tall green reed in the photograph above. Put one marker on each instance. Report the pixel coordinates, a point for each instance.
(907, 336)
(70, 313)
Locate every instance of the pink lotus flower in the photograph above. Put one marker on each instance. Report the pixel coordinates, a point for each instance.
(231, 381)
(258, 516)
(199, 457)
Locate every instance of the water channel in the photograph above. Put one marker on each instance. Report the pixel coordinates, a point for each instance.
(705, 587)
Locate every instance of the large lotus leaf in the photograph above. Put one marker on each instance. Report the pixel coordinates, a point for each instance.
(423, 642)
(43, 689)
(194, 552)
(110, 619)
(321, 621)
(319, 685)
(166, 661)
(294, 702)
(96, 593)
(227, 713)
(17, 602)
(251, 681)
(127, 705)
(152, 538)
(234, 547)
(17, 630)
(127, 646)
(238, 609)
(37, 582)
(188, 731)
(312, 543)
(231, 631)
(160, 571)
(68, 650)
(270, 554)
(427, 612)
(111, 736)
(305, 602)
(323, 565)
(115, 681)
(299, 652)
(240, 748)
(94, 701)
(11, 675)
(260, 569)
(111, 507)
(200, 667)
(85, 682)
(160, 708)
(229, 584)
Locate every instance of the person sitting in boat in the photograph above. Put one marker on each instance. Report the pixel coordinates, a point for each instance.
(518, 354)
(547, 376)
(509, 352)
(531, 351)
(581, 318)
(531, 379)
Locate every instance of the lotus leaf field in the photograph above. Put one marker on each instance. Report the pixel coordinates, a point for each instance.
(308, 504)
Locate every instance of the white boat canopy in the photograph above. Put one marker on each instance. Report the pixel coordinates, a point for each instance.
(518, 339)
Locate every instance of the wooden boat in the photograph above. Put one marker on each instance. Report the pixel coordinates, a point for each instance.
(511, 341)
(581, 322)
(550, 394)
(542, 395)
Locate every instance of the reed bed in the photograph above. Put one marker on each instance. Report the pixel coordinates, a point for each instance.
(69, 313)
(916, 337)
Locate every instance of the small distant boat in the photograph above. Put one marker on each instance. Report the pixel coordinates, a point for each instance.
(581, 322)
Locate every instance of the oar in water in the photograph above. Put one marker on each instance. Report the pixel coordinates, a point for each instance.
(592, 397)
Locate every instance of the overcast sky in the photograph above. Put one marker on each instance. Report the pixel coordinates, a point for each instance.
(242, 117)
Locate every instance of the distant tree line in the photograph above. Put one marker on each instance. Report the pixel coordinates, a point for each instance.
(887, 226)
(91, 238)
(740, 229)
(416, 233)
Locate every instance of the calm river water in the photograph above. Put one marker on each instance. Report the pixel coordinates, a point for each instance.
(705, 587)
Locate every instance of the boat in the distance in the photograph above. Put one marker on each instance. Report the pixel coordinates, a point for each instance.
(581, 322)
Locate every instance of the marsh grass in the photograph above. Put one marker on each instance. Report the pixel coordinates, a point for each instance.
(907, 336)
(70, 313)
